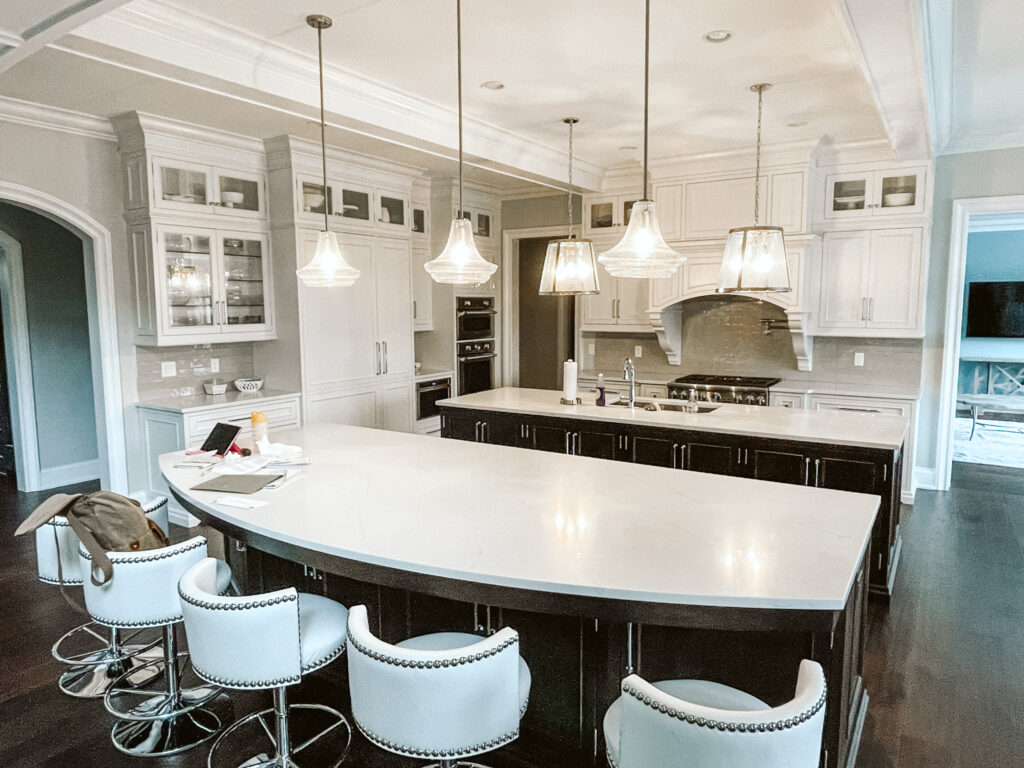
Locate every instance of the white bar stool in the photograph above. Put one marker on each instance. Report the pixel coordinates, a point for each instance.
(155, 507)
(442, 697)
(162, 707)
(266, 641)
(95, 655)
(696, 722)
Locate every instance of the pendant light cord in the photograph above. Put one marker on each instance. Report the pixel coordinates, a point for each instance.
(647, 83)
(323, 119)
(571, 122)
(757, 162)
(458, 34)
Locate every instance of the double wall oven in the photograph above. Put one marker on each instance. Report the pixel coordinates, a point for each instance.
(475, 349)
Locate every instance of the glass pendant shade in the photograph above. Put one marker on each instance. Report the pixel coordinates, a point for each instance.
(642, 252)
(570, 269)
(460, 263)
(328, 268)
(755, 261)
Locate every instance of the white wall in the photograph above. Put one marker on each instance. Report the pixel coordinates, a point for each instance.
(83, 171)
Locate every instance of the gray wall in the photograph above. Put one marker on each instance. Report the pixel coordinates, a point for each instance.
(58, 333)
(974, 174)
(548, 211)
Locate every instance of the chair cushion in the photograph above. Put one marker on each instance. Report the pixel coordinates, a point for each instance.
(702, 692)
(448, 641)
(322, 627)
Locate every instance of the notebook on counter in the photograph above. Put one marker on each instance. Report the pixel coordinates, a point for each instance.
(237, 483)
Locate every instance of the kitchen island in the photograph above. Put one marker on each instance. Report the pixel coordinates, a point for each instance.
(599, 566)
(847, 451)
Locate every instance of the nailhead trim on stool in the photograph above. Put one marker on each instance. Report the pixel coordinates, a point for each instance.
(133, 558)
(431, 664)
(233, 606)
(469, 751)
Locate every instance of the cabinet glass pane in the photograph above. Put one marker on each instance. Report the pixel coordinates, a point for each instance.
(189, 283)
(849, 195)
(899, 191)
(627, 211)
(355, 205)
(243, 281)
(313, 198)
(392, 210)
(243, 194)
(181, 186)
(419, 219)
(483, 225)
(601, 215)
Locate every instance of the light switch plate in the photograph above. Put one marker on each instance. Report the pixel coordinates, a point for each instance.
(214, 365)
(858, 359)
(638, 351)
(168, 369)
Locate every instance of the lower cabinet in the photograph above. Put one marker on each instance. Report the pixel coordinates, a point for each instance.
(818, 465)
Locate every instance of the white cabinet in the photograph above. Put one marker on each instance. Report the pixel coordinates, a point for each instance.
(183, 186)
(195, 285)
(352, 205)
(482, 220)
(871, 283)
(606, 214)
(890, 192)
(621, 306)
(422, 290)
(786, 400)
(357, 347)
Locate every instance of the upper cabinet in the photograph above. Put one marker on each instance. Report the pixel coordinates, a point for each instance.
(620, 307)
(192, 188)
(607, 214)
(891, 192)
(352, 205)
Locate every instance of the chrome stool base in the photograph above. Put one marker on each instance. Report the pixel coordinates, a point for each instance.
(96, 661)
(278, 735)
(174, 733)
(146, 692)
(456, 764)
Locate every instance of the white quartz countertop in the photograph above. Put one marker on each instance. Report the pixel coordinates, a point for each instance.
(202, 401)
(565, 524)
(864, 430)
(893, 391)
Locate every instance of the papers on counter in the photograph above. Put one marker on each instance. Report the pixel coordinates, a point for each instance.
(239, 503)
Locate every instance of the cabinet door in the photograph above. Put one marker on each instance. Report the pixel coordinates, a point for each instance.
(787, 202)
(239, 193)
(900, 192)
(501, 429)
(894, 278)
(844, 280)
(392, 210)
(356, 408)
(656, 451)
(785, 400)
(312, 198)
(780, 466)
(847, 474)
(712, 208)
(354, 205)
(633, 299)
(460, 426)
(599, 215)
(705, 457)
(338, 325)
(599, 309)
(186, 283)
(182, 186)
(422, 291)
(669, 198)
(549, 437)
(246, 269)
(596, 442)
(394, 411)
(394, 306)
(700, 275)
(849, 195)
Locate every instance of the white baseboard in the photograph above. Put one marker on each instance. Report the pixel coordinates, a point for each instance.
(179, 516)
(68, 474)
(924, 477)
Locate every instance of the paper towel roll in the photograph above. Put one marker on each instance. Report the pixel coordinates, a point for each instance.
(569, 371)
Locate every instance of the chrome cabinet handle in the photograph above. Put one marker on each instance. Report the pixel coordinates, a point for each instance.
(675, 455)
(807, 470)
(567, 436)
(871, 308)
(476, 431)
(864, 308)
(817, 471)
(377, 345)
(385, 346)
(414, 309)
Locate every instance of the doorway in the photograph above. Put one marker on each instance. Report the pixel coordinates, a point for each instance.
(981, 417)
(7, 464)
(547, 324)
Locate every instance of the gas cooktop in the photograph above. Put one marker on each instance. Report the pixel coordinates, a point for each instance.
(726, 381)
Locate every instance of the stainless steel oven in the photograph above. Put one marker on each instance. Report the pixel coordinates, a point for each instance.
(476, 366)
(428, 393)
(474, 317)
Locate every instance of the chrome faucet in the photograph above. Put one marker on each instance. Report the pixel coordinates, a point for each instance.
(629, 374)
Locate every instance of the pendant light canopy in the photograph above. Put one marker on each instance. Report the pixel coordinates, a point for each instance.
(643, 252)
(570, 268)
(460, 263)
(327, 268)
(755, 257)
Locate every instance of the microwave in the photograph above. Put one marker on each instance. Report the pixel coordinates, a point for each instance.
(428, 393)
(474, 318)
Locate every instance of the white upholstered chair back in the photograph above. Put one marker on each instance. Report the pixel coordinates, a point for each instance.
(240, 642)
(57, 544)
(661, 731)
(143, 591)
(434, 703)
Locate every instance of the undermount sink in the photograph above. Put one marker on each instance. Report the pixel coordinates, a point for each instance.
(676, 406)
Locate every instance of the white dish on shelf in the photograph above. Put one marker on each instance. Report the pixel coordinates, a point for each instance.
(850, 199)
(232, 198)
(248, 385)
(898, 198)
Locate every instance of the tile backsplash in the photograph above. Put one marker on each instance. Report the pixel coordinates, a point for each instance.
(192, 366)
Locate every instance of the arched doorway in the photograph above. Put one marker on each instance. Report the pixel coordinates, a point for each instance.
(102, 321)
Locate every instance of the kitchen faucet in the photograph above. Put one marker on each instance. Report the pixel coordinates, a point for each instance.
(629, 373)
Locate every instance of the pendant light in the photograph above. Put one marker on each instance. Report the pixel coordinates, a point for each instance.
(755, 257)
(328, 268)
(569, 265)
(460, 263)
(643, 252)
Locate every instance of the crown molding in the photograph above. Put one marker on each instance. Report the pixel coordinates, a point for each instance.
(141, 130)
(783, 154)
(55, 119)
(167, 40)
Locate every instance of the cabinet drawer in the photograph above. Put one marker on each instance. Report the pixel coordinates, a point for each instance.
(861, 405)
(780, 400)
(280, 414)
(654, 390)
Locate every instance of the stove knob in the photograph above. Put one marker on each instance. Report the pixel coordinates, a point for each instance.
(761, 400)
(715, 397)
(750, 399)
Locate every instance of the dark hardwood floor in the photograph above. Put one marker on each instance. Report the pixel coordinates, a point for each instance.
(944, 669)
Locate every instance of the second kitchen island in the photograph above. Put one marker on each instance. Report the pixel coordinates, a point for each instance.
(824, 449)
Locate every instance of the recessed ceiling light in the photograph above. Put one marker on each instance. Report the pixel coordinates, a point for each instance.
(492, 85)
(796, 124)
(717, 36)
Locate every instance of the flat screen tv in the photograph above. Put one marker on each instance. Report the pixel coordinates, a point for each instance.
(995, 310)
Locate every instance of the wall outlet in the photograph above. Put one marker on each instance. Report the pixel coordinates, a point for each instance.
(591, 348)
(638, 351)
(168, 369)
(858, 359)
(214, 365)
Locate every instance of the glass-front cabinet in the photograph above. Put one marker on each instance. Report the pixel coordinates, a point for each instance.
(357, 206)
(206, 286)
(607, 214)
(182, 186)
(896, 192)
